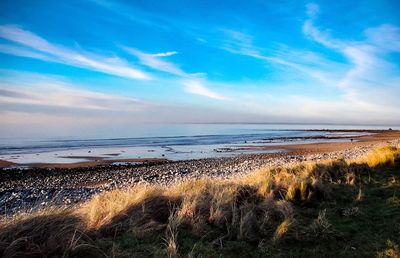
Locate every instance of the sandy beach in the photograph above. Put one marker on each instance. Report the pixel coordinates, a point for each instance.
(282, 149)
(379, 137)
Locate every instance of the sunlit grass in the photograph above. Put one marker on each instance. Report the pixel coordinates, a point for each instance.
(381, 156)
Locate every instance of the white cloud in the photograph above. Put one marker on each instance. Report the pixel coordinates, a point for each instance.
(386, 37)
(20, 51)
(302, 109)
(154, 61)
(51, 92)
(192, 85)
(169, 53)
(369, 70)
(40, 48)
(367, 83)
(314, 33)
(196, 87)
(321, 37)
(239, 43)
(306, 62)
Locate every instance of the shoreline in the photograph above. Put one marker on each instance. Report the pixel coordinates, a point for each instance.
(286, 147)
(27, 189)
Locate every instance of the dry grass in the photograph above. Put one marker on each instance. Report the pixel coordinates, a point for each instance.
(103, 208)
(321, 226)
(381, 156)
(171, 238)
(47, 233)
(392, 251)
(258, 206)
(282, 229)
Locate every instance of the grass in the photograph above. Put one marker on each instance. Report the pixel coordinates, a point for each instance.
(333, 209)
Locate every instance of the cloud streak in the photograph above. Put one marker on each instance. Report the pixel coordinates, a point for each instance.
(367, 81)
(369, 71)
(155, 62)
(169, 53)
(51, 93)
(28, 44)
(306, 62)
(192, 84)
(37, 47)
(197, 88)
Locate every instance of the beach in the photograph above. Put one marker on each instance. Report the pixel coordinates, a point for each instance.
(66, 184)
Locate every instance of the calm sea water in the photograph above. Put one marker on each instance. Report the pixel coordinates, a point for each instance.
(174, 141)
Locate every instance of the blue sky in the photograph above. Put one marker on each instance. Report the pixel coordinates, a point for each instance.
(72, 64)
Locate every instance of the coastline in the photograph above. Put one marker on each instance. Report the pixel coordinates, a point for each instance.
(71, 184)
(335, 143)
(376, 138)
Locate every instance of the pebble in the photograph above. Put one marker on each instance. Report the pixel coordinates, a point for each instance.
(22, 190)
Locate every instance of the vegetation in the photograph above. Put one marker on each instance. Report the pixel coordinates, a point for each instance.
(334, 209)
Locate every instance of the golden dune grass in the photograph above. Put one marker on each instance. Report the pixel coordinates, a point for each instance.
(46, 233)
(381, 156)
(105, 206)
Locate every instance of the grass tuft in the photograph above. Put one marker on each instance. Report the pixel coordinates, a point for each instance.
(381, 156)
(391, 251)
(172, 235)
(321, 227)
(282, 229)
(46, 233)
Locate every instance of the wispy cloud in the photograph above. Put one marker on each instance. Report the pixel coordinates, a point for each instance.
(306, 109)
(382, 35)
(238, 42)
(23, 52)
(367, 80)
(37, 47)
(193, 83)
(134, 14)
(196, 87)
(306, 62)
(369, 72)
(169, 53)
(314, 33)
(50, 92)
(156, 62)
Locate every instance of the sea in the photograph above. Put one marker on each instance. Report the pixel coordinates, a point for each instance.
(175, 142)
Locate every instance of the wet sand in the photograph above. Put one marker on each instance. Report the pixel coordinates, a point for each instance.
(285, 149)
(5, 164)
(95, 162)
(380, 137)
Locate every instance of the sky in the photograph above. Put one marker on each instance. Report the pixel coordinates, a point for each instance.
(74, 67)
